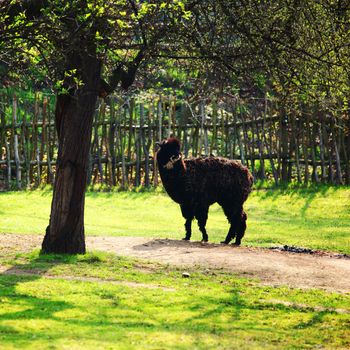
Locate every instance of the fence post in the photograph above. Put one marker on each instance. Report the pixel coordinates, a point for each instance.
(43, 136)
(268, 144)
(313, 152)
(8, 160)
(49, 178)
(261, 149)
(25, 148)
(238, 137)
(160, 119)
(284, 145)
(152, 134)
(122, 150)
(15, 144)
(203, 133)
(302, 147)
(2, 125)
(112, 142)
(347, 141)
(336, 152)
(306, 153)
(34, 144)
(296, 145)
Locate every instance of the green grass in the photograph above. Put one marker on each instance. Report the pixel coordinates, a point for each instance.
(102, 301)
(139, 305)
(317, 218)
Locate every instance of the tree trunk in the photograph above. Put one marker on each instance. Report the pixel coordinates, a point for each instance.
(74, 118)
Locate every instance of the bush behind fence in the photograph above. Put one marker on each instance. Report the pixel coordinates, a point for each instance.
(300, 145)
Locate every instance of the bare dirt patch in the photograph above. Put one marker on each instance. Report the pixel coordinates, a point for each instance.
(321, 270)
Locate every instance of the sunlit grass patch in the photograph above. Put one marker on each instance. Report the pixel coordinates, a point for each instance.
(316, 217)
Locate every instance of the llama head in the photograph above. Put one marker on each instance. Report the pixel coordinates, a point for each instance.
(168, 153)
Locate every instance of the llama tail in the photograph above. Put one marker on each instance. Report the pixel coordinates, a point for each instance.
(250, 180)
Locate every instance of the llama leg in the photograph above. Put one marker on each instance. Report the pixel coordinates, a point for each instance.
(230, 235)
(241, 227)
(231, 219)
(188, 228)
(187, 213)
(202, 217)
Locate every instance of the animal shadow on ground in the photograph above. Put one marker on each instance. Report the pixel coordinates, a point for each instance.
(161, 243)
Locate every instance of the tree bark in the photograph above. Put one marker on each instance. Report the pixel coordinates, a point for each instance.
(74, 118)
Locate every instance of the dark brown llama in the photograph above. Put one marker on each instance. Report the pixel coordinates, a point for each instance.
(197, 183)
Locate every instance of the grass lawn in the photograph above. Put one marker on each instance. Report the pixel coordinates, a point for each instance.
(100, 301)
(317, 218)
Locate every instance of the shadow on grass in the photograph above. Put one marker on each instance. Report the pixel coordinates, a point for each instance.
(128, 194)
(30, 308)
(101, 325)
(33, 307)
(307, 204)
(315, 319)
(27, 307)
(301, 191)
(307, 193)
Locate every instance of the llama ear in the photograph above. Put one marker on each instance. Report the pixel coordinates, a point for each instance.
(162, 143)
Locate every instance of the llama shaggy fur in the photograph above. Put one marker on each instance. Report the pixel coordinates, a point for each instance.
(197, 183)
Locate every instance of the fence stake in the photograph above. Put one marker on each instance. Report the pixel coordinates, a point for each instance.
(15, 145)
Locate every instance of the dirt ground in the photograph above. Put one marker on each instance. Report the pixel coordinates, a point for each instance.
(321, 270)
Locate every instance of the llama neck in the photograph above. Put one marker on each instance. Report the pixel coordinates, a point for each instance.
(174, 180)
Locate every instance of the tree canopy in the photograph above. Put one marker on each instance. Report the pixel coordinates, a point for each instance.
(299, 46)
(296, 50)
